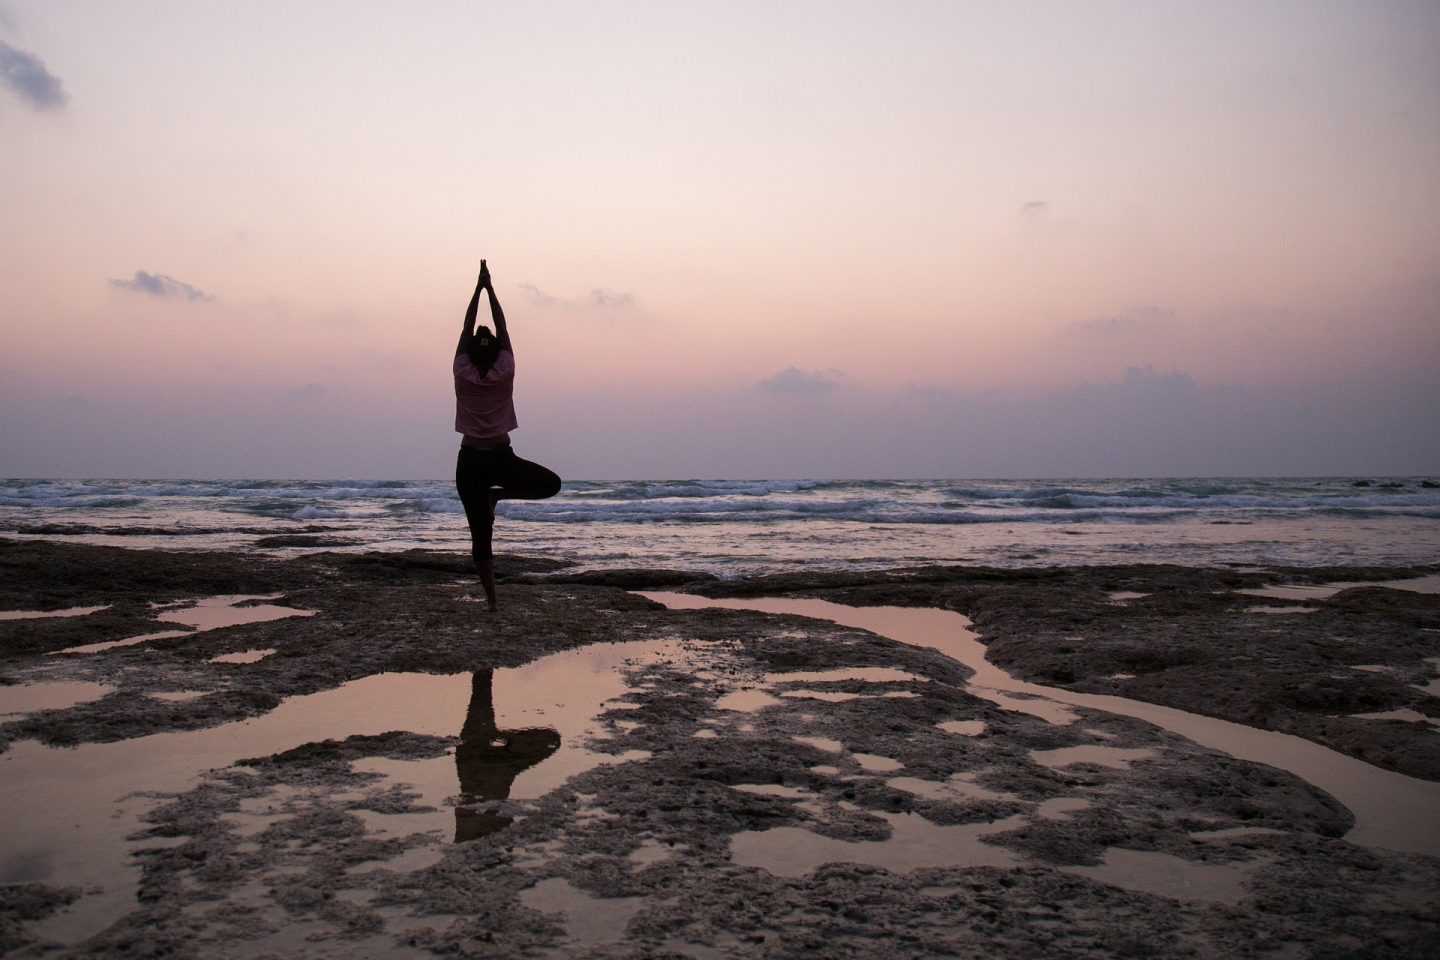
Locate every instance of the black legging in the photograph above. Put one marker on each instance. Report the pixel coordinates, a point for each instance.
(484, 476)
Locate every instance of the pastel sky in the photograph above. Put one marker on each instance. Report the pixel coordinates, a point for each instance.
(734, 239)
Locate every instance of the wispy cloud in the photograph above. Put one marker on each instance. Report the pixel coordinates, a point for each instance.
(159, 285)
(1034, 208)
(610, 300)
(599, 298)
(1138, 320)
(796, 382)
(1140, 385)
(537, 296)
(1149, 382)
(26, 75)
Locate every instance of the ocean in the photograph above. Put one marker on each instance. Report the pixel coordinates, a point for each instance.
(741, 528)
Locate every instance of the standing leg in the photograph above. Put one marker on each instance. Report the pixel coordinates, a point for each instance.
(473, 477)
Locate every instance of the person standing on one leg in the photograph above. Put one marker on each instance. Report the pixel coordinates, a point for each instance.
(488, 469)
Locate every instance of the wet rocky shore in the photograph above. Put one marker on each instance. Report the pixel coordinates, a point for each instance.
(730, 783)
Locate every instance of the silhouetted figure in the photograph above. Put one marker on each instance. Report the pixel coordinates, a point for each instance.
(489, 759)
(488, 470)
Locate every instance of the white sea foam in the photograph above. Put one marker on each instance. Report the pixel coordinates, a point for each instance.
(749, 526)
(313, 512)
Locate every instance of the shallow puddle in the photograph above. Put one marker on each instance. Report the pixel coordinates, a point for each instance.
(30, 697)
(210, 613)
(1405, 714)
(1431, 687)
(757, 698)
(914, 843)
(862, 674)
(588, 921)
(244, 656)
(963, 728)
(178, 696)
(541, 716)
(828, 696)
(1323, 591)
(1050, 711)
(650, 852)
(127, 642)
(955, 788)
(965, 785)
(1118, 758)
(873, 763)
(1149, 871)
(1392, 811)
(45, 614)
(774, 790)
(747, 701)
(1057, 807)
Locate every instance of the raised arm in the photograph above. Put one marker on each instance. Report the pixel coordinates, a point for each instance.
(497, 315)
(469, 329)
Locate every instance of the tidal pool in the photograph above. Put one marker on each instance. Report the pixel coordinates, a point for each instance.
(209, 613)
(1392, 811)
(538, 718)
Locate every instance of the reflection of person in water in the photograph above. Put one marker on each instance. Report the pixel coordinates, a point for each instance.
(488, 470)
(489, 759)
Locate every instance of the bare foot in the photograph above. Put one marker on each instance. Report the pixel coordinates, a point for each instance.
(486, 569)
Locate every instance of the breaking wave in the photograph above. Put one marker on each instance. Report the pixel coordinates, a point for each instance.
(754, 501)
(732, 526)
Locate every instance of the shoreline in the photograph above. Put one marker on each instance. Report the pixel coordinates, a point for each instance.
(716, 736)
(750, 528)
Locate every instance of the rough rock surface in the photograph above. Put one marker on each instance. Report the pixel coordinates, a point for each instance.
(1191, 641)
(691, 840)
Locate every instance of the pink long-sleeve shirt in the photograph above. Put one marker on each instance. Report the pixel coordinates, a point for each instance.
(485, 406)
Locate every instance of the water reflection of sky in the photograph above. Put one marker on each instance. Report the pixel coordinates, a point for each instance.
(523, 736)
(1392, 811)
